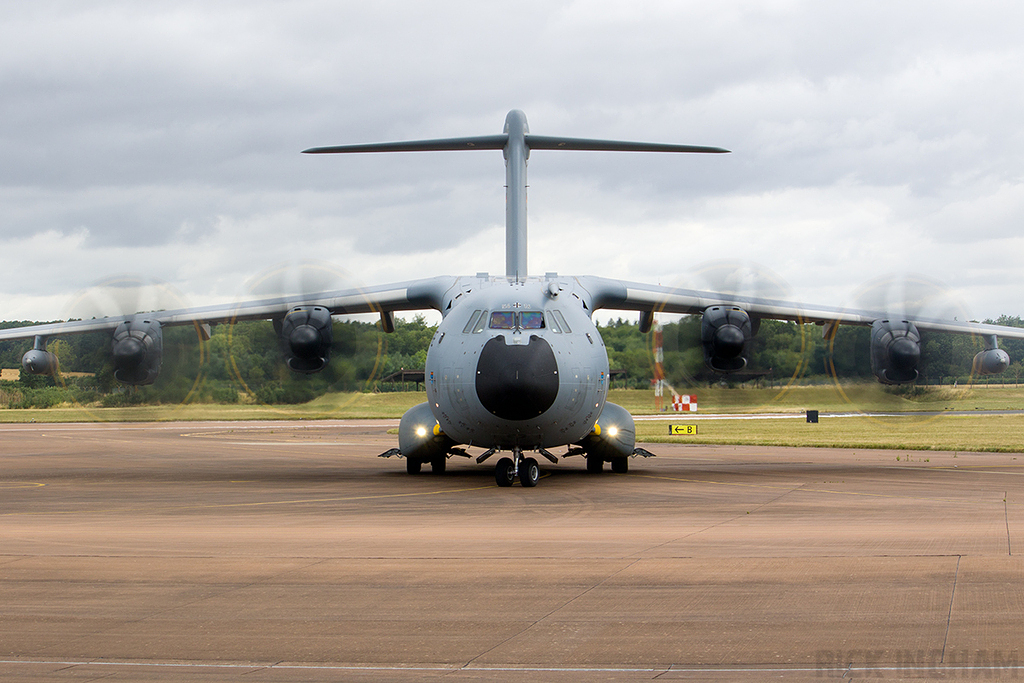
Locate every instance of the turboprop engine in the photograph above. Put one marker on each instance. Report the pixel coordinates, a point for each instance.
(993, 360)
(138, 347)
(306, 336)
(724, 331)
(895, 351)
(39, 361)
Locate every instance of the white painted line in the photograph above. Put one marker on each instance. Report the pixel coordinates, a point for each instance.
(932, 669)
(283, 443)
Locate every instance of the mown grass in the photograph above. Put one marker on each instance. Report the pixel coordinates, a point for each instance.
(998, 433)
(330, 406)
(868, 397)
(850, 398)
(945, 432)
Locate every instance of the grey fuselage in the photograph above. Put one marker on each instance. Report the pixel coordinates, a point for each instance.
(517, 364)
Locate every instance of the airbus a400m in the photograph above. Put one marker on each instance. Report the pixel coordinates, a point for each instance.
(517, 365)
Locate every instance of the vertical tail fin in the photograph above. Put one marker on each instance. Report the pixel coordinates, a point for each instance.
(516, 143)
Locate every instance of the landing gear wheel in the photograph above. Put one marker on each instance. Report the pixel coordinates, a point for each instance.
(505, 472)
(620, 465)
(529, 473)
(438, 464)
(594, 464)
(413, 466)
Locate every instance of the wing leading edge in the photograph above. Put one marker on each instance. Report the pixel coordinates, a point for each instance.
(403, 296)
(634, 296)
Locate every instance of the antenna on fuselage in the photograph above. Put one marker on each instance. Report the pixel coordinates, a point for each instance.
(516, 142)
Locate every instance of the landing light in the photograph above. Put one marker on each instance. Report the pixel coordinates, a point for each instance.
(421, 431)
(612, 431)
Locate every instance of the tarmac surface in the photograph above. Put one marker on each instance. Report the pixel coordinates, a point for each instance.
(290, 552)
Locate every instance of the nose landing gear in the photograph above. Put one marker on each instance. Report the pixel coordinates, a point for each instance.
(507, 469)
(505, 472)
(529, 473)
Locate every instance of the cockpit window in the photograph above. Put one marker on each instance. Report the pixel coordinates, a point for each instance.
(561, 321)
(502, 320)
(481, 323)
(532, 320)
(477, 314)
(552, 323)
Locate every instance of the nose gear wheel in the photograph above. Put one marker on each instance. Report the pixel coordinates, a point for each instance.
(507, 469)
(529, 473)
(505, 472)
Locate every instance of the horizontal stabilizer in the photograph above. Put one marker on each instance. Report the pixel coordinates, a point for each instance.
(499, 142)
(583, 144)
(440, 145)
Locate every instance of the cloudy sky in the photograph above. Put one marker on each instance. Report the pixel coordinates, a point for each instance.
(162, 139)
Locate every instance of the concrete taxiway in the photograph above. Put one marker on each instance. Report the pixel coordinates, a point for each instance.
(290, 552)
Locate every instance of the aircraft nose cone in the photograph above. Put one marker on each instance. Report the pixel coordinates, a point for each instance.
(729, 342)
(517, 382)
(905, 354)
(129, 353)
(304, 341)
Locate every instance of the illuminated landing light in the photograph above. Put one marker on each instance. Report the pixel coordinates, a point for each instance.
(421, 432)
(612, 431)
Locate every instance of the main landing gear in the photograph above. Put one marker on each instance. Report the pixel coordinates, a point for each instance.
(526, 469)
(595, 465)
(437, 465)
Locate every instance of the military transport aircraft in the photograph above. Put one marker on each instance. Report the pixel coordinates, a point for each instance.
(517, 364)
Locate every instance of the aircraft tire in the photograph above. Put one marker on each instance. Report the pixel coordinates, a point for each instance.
(438, 464)
(620, 465)
(504, 472)
(529, 473)
(594, 464)
(413, 466)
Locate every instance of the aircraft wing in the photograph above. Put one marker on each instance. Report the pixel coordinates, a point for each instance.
(633, 296)
(402, 296)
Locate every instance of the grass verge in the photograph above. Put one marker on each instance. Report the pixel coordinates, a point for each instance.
(945, 432)
(991, 433)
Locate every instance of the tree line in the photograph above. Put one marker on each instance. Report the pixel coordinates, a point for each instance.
(244, 362)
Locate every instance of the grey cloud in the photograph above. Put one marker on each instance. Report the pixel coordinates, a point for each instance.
(142, 131)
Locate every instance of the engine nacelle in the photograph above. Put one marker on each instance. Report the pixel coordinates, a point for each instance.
(39, 362)
(420, 437)
(895, 351)
(614, 435)
(991, 362)
(138, 349)
(306, 336)
(724, 332)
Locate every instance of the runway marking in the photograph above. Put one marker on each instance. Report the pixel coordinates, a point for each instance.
(301, 501)
(287, 443)
(217, 506)
(974, 469)
(804, 489)
(20, 485)
(938, 670)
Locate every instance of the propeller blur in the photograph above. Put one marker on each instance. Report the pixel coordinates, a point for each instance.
(517, 364)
